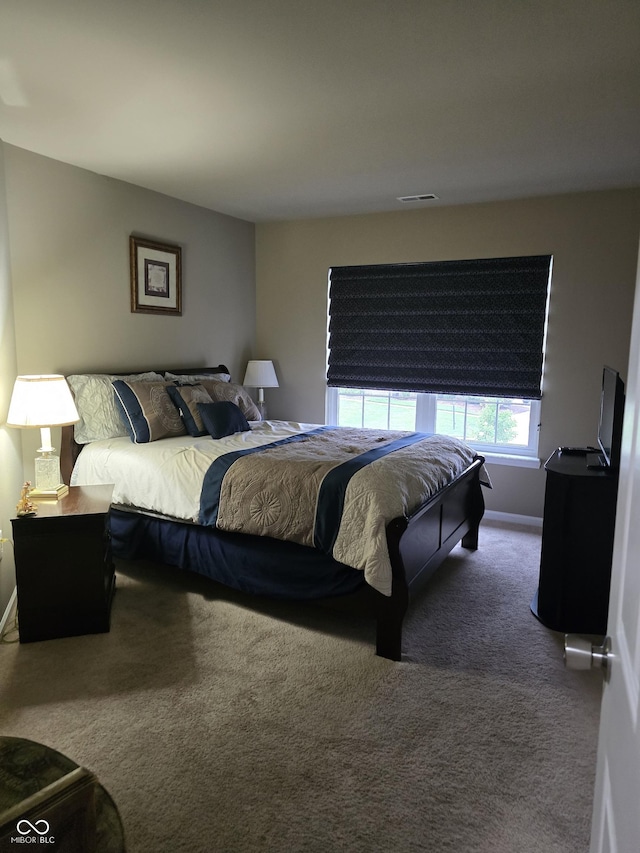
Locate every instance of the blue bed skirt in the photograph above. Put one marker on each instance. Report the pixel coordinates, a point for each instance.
(257, 565)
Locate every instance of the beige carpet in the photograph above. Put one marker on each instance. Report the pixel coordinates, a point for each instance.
(223, 723)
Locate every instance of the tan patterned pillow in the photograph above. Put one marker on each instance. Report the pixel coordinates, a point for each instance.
(228, 391)
(148, 411)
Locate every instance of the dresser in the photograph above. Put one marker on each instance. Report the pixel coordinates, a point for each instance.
(577, 546)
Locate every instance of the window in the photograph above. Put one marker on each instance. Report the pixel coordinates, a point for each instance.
(455, 347)
(489, 424)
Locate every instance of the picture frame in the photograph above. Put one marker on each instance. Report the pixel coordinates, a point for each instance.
(156, 277)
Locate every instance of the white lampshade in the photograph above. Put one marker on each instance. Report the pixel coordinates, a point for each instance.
(41, 401)
(260, 374)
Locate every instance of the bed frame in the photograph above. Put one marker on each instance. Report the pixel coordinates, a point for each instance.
(417, 544)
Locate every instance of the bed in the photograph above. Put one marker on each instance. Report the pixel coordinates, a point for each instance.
(273, 508)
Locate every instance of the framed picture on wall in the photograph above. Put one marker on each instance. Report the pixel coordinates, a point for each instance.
(156, 277)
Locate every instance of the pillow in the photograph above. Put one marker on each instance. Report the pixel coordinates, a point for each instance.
(223, 418)
(230, 393)
(186, 398)
(193, 378)
(99, 415)
(147, 410)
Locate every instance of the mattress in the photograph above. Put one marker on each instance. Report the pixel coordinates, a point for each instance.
(329, 488)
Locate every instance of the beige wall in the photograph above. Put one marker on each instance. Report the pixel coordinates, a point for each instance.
(592, 236)
(69, 232)
(69, 236)
(10, 444)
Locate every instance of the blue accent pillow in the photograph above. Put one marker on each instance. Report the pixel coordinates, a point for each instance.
(147, 410)
(223, 418)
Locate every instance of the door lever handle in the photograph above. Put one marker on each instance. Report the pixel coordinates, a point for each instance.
(581, 653)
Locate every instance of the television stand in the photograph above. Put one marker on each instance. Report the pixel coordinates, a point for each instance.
(596, 461)
(577, 546)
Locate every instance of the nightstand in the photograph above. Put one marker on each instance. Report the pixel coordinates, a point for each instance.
(64, 572)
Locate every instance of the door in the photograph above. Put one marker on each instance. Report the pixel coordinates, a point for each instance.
(616, 809)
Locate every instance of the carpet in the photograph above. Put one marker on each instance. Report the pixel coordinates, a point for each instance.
(220, 722)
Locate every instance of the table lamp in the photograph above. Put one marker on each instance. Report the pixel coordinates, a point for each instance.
(43, 402)
(261, 374)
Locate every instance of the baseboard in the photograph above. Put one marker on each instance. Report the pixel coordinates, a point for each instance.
(8, 610)
(512, 518)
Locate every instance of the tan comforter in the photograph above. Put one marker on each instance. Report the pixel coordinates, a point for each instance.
(278, 492)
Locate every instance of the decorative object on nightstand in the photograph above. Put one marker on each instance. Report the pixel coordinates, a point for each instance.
(25, 506)
(261, 374)
(42, 402)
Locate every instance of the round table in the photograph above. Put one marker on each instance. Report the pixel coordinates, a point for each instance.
(26, 767)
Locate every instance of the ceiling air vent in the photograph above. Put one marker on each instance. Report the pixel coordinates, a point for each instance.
(422, 197)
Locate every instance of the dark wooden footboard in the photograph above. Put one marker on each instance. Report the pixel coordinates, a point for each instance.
(420, 543)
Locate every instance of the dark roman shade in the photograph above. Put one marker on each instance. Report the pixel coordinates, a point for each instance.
(449, 327)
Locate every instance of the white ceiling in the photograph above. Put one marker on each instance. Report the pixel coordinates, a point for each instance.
(277, 109)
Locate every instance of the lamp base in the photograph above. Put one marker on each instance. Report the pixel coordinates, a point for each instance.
(262, 408)
(47, 469)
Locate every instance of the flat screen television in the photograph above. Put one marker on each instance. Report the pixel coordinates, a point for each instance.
(611, 417)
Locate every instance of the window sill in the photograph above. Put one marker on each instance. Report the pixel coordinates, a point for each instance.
(511, 459)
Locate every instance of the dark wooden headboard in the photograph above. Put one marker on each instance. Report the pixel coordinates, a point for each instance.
(70, 450)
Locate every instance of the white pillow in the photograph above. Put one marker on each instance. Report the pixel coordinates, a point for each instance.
(193, 379)
(99, 416)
